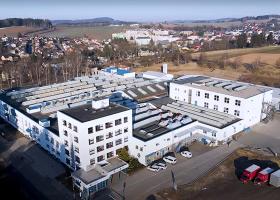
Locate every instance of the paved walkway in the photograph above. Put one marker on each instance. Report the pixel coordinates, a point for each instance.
(36, 167)
(145, 183)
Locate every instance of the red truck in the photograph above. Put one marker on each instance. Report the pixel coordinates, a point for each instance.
(263, 176)
(250, 173)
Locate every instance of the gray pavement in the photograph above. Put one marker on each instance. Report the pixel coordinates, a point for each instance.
(264, 135)
(145, 183)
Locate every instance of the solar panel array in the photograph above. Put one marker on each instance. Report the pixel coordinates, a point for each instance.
(228, 85)
(150, 121)
(201, 114)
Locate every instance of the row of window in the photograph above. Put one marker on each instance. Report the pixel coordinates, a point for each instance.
(217, 98)
(101, 158)
(75, 128)
(100, 127)
(98, 149)
(100, 137)
(236, 112)
(92, 160)
(108, 136)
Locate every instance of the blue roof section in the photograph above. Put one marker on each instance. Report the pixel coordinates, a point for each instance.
(116, 70)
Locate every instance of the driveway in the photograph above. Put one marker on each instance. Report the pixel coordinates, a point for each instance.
(145, 183)
(264, 135)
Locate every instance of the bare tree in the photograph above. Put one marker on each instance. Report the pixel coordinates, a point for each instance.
(202, 59)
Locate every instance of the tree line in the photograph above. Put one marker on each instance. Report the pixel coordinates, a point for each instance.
(25, 22)
(242, 41)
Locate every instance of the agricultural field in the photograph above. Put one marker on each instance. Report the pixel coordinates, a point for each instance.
(223, 183)
(228, 24)
(239, 52)
(13, 31)
(96, 32)
(268, 73)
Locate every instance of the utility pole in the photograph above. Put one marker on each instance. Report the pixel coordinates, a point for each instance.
(174, 185)
(124, 185)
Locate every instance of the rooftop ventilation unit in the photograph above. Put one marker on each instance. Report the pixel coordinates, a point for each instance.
(223, 84)
(212, 83)
(229, 87)
(44, 122)
(239, 88)
(100, 103)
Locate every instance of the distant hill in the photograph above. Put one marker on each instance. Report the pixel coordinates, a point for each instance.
(94, 21)
(25, 22)
(243, 19)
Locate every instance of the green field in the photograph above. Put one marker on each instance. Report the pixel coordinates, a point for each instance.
(96, 32)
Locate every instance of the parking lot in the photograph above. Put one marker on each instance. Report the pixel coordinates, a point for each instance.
(223, 181)
(146, 183)
(195, 148)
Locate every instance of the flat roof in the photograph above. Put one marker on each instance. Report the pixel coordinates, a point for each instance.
(99, 171)
(86, 113)
(204, 115)
(222, 86)
(34, 116)
(153, 130)
(148, 92)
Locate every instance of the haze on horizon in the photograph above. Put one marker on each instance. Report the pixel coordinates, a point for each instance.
(145, 10)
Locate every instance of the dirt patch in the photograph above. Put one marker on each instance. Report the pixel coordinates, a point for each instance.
(193, 68)
(240, 52)
(223, 182)
(266, 58)
(96, 32)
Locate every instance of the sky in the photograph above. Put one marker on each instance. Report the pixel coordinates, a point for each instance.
(137, 10)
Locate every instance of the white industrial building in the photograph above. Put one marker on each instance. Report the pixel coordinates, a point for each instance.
(85, 121)
(248, 102)
(143, 37)
(198, 108)
(75, 122)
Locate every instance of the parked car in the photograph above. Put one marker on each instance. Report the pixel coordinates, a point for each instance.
(186, 154)
(250, 173)
(170, 159)
(161, 165)
(154, 168)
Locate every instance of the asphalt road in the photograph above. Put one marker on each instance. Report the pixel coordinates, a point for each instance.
(145, 183)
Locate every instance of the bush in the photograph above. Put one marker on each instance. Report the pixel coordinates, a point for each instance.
(132, 162)
(123, 154)
(134, 165)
